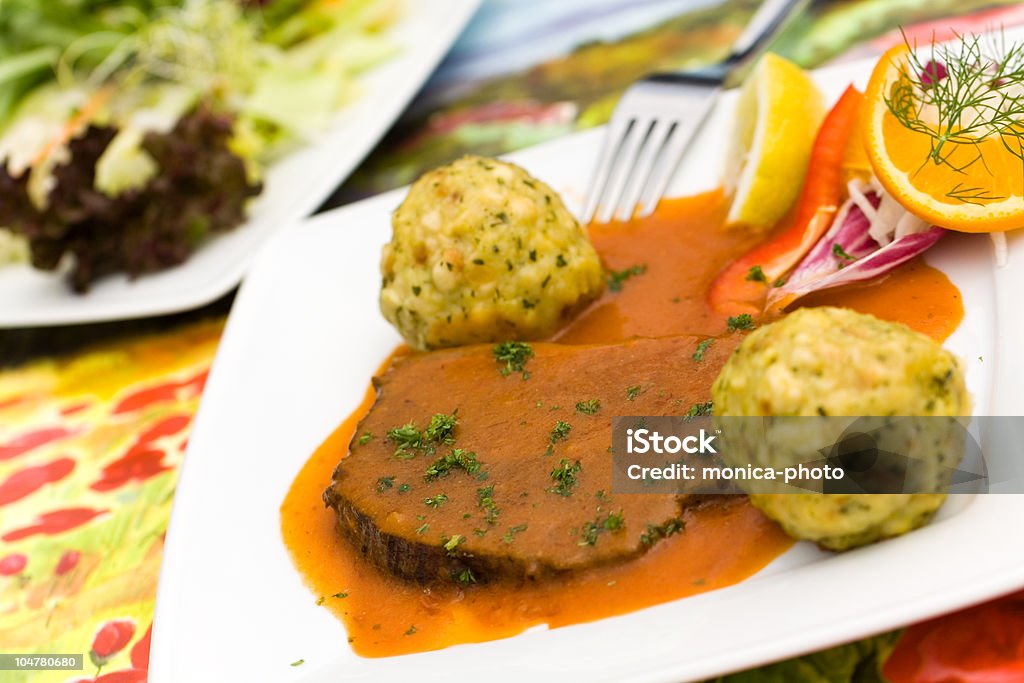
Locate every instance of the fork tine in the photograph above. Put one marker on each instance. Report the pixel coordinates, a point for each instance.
(618, 128)
(645, 165)
(622, 170)
(664, 168)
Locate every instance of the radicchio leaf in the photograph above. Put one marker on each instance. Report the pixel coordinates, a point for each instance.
(200, 190)
(847, 253)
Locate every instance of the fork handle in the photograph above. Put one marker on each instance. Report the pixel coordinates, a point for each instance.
(762, 27)
(766, 23)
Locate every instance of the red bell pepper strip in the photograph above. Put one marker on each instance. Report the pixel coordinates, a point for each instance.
(732, 292)
(982, 644)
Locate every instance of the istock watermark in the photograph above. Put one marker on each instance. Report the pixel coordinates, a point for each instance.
(644, 440)
(882, 455)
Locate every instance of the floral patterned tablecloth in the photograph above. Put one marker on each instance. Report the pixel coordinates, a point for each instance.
(90, 447)
(91, 441)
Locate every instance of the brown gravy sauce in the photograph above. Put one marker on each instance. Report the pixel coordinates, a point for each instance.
(683, 248)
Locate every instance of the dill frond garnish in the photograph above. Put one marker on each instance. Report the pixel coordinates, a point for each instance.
(964, 93)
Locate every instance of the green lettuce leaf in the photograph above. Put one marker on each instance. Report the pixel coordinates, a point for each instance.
(200, 189)
(859, 662)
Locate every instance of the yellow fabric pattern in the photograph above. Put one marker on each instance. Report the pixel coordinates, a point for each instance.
(89, 453)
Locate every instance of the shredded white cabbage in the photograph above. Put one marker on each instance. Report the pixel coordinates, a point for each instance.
(999, 247)
(858, 189)
(909, 224)
(890, 221)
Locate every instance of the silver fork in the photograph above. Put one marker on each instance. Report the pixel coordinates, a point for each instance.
(657, 116)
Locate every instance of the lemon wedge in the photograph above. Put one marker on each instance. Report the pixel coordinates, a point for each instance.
(778, 115)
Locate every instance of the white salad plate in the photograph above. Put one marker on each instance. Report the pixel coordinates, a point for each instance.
(293, 187)
(302, 342)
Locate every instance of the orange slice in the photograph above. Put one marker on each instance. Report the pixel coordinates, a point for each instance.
(856, 164)
(972, 185)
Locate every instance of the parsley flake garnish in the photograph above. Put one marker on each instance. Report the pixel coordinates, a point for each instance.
(702, 348)
(509, 535)
(514, 355)
(407, 439)
(441, 428)
(655, 533)
(564, 476)
(485, 500)
(614, 521)
(743, 321)
(842, 255)
(700, 410)
(452, 543)
(589, 407)
(457, 459)
(436, 501)
(560, 432)
(755, 274)
(616, 278)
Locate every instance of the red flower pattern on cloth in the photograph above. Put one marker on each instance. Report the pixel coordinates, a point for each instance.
(68, 561)
(50, 523)
(12, 401)
(140, 651)
(136, 465)
(29, 480)
(74, 408)
(139, 670)
(13, 564)
(112, 637)
(162, 393)
(169, 426)
(74, 555)
(142, 460)
(34, 439)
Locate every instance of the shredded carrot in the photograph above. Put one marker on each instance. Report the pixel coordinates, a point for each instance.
(74, 125)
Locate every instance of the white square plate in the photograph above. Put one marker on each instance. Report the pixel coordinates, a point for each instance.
(301, 344)
(293, 187)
